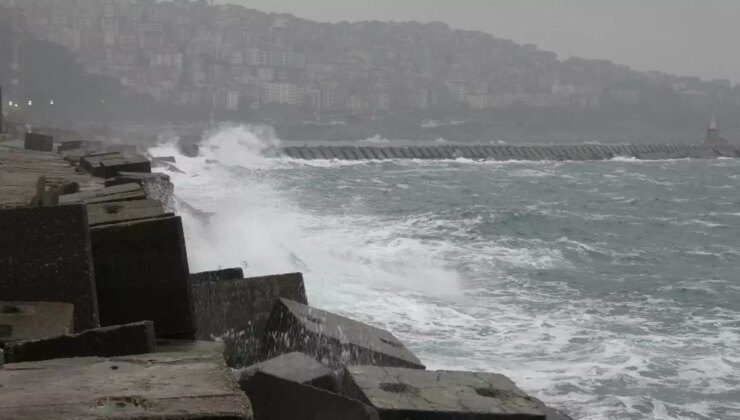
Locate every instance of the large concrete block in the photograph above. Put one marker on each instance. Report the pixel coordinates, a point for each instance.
(237, 310)
(323, 152)
(79, 144)
(119, 340)
(292, 152)
(124, 192)
(412, 394)
(295, 367)
(156, 186)
(275, 398)
(34, 320)
(350, 153)
(365, 153)
(92, 162)
(45, 256)
(124, 211)
(142, 274)
(150, 386)
(335, 153)
(40, 142)
(140, 178)
(217, 275)
(331, 338)
(110, 166)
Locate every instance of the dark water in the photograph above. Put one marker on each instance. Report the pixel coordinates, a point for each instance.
(608, 289)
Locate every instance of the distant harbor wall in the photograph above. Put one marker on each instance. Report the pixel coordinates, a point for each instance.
(581, 152)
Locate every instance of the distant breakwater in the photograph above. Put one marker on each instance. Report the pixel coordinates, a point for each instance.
(581, 152)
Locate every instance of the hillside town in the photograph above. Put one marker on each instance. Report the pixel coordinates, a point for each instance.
(234, 61)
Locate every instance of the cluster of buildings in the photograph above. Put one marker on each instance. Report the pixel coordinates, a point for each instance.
(229, 58)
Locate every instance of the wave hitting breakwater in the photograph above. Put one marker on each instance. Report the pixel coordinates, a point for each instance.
(582, 152)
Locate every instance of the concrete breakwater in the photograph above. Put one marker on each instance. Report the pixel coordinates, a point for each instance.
(101, 317)
(581, 152)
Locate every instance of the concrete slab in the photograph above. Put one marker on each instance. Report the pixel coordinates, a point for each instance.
(295, 367)
(275, 398)
(237, 311)
(142, 273)
(332, 339)
(150, 386)
(45, 255)
(125, 192)
(34, 320)
(119, 340)
(124, 211)
(412, 394)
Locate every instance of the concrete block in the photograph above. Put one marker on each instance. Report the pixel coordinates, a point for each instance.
(45, 256)
(218, 275)
(304, 153)
(331, 338)
(292, 152)
(405, 153)
(40, 142)
(140, 178)
(141, 270)
(150, 386)
(92, 162)
(236, 311)
(110, 166)
(365, 153)
(295, 367)
(416, 152)
(34, 320)
(123, 192)
(119, 340)
(412, 394)
(124, 211)
(324, 152)
(386, 152)
(335, 153)
(275, 398)
(444, 152)
(349, 153)
(377, 153)
(477, 152)
(79, 144)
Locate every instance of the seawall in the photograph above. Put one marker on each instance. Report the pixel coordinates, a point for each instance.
(580, 152)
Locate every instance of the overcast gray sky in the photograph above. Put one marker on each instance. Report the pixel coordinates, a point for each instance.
(686, 37)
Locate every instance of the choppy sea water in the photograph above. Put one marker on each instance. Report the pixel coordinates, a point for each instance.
(611, 290)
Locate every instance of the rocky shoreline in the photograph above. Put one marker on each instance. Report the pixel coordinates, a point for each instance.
(100, 316)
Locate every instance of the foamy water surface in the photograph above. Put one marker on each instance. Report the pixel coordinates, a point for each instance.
(607, 289)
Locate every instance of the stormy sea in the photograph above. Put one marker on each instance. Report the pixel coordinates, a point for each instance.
(607, 289)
